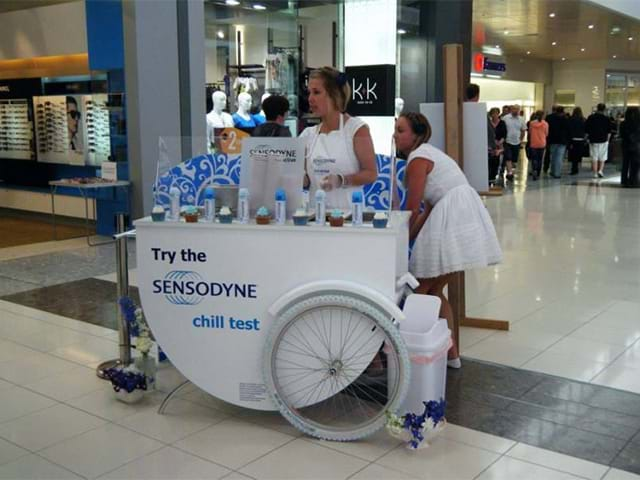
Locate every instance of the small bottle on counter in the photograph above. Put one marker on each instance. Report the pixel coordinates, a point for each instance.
(243, 205)
(357, 207)
(209, 204)
(305, 200)
(174, 206)
(321, 208)
(281, 207)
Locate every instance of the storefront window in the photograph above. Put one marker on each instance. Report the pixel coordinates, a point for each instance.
(257, 50)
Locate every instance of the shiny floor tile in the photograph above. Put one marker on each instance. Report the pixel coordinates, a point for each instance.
(621, 377)
(33, 467)
(511, 468)
(168, 464)
(301, 459)
(565, 365)
(10, 452)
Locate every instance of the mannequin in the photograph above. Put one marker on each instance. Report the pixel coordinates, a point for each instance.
(242, 118)
(399, 106)
(216, 118)
(260, 118)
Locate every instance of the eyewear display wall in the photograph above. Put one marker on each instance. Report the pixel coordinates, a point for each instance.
(72, 129)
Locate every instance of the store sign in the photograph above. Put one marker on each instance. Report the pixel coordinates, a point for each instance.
(5, 88)
(484, 64)
(372, 90)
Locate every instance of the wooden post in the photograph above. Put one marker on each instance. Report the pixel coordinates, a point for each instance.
(454, 85)
(453, 135)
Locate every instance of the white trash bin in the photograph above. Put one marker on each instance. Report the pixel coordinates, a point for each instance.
(428, 355)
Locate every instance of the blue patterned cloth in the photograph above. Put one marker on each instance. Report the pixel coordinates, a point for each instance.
(240, 122)
(194, 175)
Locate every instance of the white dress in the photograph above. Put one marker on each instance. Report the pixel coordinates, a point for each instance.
(332, 153)
(458, 234)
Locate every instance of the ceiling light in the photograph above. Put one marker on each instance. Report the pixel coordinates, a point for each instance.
(232, 3)
(563, 59)
(554, 43)
(497, 46)
(528, 52)
(630, 38)
(220, 34)
(582, 49)
(506, 32)
(552, 15)
(614, 56)
(401, 31)
(259, 6)
(615, 30)
(591, 26)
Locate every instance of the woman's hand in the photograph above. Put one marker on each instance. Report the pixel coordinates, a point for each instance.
(331, 182)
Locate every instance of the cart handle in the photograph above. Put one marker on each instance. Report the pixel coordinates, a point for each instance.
(336, 286)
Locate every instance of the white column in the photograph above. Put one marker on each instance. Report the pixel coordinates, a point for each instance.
(370, 39)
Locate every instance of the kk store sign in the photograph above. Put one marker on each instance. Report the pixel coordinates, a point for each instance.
(372, 90)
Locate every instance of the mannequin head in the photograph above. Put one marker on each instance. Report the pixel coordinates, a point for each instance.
(399, 106)
(264, 97)
(219, 100)
(244, 103)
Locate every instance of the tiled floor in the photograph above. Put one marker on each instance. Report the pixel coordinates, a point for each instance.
(569, 285)
(66, 424)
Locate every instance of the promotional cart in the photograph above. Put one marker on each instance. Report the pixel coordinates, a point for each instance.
(282, 317)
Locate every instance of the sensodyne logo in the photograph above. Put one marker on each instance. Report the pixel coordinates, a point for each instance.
(265, 152)
(184, 287)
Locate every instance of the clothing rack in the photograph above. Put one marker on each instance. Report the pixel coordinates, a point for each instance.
(249, 69)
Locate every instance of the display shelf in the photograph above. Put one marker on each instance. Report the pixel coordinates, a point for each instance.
(16, 130)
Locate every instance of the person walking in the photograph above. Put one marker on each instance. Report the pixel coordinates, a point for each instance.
(499, 129)
(558, 139)
(598, 129)
(538, 131)
(515, 133)
(630, 133)
(578, 139)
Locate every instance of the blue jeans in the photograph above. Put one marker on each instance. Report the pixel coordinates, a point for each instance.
(557, 156)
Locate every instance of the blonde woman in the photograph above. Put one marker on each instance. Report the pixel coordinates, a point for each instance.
(340, 156)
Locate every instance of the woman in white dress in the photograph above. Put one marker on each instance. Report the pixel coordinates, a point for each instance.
(339, 151)
(452, 230)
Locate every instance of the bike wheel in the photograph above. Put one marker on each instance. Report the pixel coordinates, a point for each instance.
(334, 365)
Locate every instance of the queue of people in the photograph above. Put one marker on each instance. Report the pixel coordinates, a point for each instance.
(557, 135)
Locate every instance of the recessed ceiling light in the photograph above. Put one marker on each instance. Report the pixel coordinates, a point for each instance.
(528, 52)
(615, 30)
(401, 31)
(554, 43)
(552, 15)
(591, 26)
(497, 46)
(614, 56)
(630, 38)
(563, 59)
(220, 34)
(259, 6)
(506, 32)
(582, 49)
(232, 3)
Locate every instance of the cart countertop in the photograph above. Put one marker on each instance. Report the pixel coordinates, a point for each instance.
(397, 219)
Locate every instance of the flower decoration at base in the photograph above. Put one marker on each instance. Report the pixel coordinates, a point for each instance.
(418, 430)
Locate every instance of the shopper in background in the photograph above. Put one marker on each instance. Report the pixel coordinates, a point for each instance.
(598, 129)
(578, 140)
(538, 132)
(630, 133)
(339, 151)
(275, 109)
(497, 147)
(558, 139)
(515, 133)
(506, 110)
(453, 232)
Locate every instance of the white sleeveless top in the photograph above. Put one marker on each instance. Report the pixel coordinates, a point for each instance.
(332, 152)
(445, 176)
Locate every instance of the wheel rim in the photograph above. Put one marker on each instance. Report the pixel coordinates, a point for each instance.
(336, 370)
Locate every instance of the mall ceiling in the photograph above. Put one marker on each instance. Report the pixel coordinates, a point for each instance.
(11, 5)
(581, 30)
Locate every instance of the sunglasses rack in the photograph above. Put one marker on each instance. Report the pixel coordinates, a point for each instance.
(16, 131)
(52, 129)
(97, 128)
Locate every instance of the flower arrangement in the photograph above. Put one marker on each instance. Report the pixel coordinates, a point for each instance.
(418, 430)
(136, 378)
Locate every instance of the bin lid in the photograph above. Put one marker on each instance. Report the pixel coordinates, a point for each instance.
(422, 313)
(428, 342)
